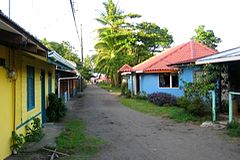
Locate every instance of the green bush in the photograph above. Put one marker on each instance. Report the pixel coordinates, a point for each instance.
(234, 129)
(142, 95)
(195, 106)
(18, 141)
(34, 132)
(56, 108)
(161, 99)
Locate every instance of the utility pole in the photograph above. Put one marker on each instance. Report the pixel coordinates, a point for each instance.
(9, 8)
(81, 45)
(81, 39)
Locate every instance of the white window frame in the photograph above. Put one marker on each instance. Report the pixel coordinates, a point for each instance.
(170, 81)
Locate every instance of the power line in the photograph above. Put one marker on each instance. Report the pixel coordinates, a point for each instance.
(73, 13)
(80, 40)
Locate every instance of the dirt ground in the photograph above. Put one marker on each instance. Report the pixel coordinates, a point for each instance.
(131, 135)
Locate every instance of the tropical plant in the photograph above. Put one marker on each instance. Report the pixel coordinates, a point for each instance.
(34, 132)
(121, 41)
(197, 100)
(56, 108)
(18, 141)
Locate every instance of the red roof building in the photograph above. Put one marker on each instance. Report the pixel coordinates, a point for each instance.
(160, 73)
(125, 68)
(190, 51)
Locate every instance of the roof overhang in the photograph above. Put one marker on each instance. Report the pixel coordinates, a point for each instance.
(139, 71)
(125, 73)
(59, 61)
(222, 57)
(12, 35)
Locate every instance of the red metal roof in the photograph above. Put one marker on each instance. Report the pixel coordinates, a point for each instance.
(125, 68)
(185, 52)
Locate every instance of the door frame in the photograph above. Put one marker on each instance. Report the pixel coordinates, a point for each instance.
(43, 97)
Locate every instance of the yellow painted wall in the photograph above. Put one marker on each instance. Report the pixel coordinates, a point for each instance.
(23, 115)
(18, 62)
(6, 108)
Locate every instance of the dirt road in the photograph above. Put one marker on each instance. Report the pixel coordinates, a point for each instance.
(131, 135)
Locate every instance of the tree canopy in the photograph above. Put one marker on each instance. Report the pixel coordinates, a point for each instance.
(121, 41)
(65, 49)
(206, 37)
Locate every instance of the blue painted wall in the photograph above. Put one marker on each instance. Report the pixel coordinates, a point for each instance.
(149, 82)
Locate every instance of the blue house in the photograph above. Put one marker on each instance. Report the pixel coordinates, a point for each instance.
(157, 75)
(228, 95)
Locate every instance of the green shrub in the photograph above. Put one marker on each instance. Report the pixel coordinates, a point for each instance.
(34, 132)
(56, 108)
(128, 94)
(18, 141)
(160, 99)
(183, 102)
(195, 106)
(234, 129)
(142, 95)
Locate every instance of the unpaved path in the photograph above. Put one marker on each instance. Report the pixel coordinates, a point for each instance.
(131, 135)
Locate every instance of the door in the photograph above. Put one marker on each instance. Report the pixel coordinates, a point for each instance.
(6, 113)
(43, 96)
(137, 84)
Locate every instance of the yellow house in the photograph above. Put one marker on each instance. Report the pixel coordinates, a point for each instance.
(26, 79)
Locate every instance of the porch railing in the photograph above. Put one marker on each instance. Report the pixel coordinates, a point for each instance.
(231, 94)
(213, 94)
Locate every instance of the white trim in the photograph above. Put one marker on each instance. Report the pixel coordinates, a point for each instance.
(171, 87)
(59, 82)
(125, 73)
(139, 71)
(218, 60)
(224, 56)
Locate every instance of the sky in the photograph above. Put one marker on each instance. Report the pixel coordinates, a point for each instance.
(52, 19)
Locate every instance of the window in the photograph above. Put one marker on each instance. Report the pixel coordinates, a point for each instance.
(164, 80)
(30, 88)
(174, 80)
(49, 83)
(168, 80)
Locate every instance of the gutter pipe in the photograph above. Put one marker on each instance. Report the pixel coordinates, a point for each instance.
(65, 78)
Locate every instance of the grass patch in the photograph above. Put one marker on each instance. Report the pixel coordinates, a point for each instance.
(233, 129)
(109, 88)
(172, 112)
(75, 141)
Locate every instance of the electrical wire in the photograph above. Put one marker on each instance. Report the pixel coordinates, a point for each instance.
(71, 3)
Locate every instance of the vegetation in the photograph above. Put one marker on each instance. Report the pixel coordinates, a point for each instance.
(234, 129)
(65, 49)
(74, 140)
(195, 106)
(121, 41)
(56, 108)
(18, 141)
(87, 68)
(34, 132)
(172, 112)
(109, 87)
(206, 37)
(161, 99)
(197, 99)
